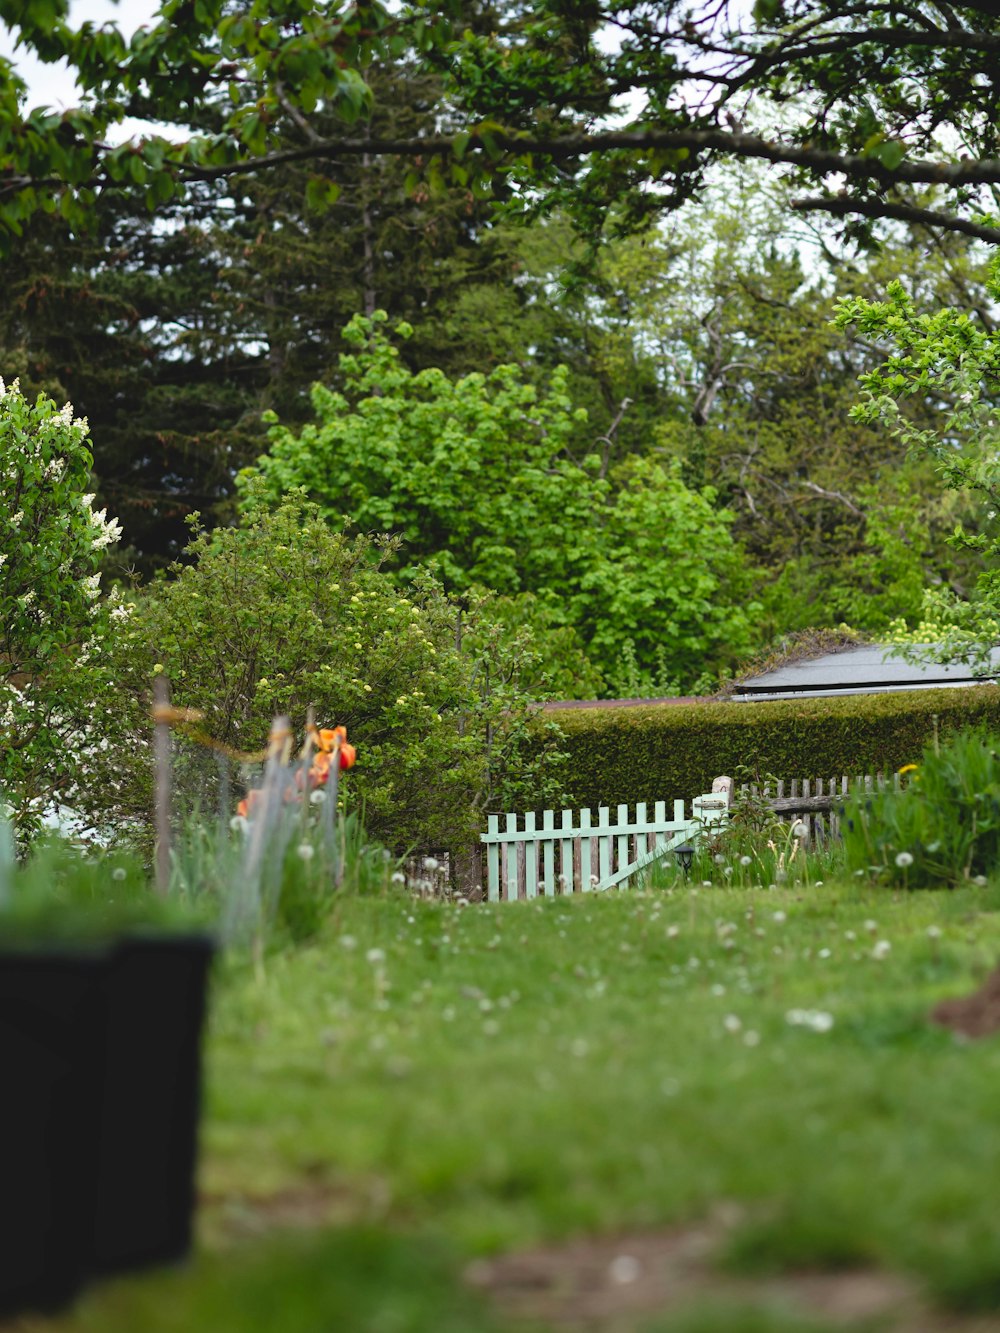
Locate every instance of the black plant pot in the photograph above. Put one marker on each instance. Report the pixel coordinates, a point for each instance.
(101, 1060)
(51, 1019)
(155, 990)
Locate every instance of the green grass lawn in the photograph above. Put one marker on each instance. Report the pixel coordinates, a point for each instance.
(429, 1085)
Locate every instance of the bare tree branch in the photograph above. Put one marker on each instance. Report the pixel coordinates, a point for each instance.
(841, 206)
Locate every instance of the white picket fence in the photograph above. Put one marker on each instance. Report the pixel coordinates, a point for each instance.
(525, 860)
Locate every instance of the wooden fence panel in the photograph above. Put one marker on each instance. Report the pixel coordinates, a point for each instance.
(814, 802)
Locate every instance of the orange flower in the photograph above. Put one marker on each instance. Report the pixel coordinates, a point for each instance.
(329, 741)
(246, 806)
(328, 737)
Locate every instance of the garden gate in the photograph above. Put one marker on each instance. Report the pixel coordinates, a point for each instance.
(579, 855)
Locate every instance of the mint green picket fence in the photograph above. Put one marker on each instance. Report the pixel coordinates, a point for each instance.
(578, 854)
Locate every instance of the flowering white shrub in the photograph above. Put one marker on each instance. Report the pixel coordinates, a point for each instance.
(52, 619)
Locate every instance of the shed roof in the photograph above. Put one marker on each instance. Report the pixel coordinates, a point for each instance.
(869, 669)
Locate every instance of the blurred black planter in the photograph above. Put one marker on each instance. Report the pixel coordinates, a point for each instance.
(155, 991)
(103, 1051)
(52, 1008)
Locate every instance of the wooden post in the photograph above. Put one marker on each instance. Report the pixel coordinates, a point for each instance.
(466, 861)
(161, 760)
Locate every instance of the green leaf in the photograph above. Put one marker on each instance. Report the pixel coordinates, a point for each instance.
(890, 153)
(321, 193)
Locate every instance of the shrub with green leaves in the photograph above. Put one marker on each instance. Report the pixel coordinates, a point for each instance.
(499, 484)
(282, 614)
(942, 827)
(52, 620)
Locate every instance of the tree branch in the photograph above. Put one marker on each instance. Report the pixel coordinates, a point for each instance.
(563, 146)
(841, 206)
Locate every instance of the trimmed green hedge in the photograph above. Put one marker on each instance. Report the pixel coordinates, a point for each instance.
(666, 751)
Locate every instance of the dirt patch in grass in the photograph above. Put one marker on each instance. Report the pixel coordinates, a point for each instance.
(230, 1218)
(613, 1284)
(975, 1015)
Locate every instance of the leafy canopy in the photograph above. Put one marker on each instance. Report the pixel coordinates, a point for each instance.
(584, 104)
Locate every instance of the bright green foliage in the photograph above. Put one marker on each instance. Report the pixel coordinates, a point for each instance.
(51, 620)
(282, 614)
(475, 473)
(483, 477)
(662, 752)
(950, 357)
(942, 827)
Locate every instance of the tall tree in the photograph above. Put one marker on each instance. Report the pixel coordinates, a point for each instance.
(129, 325)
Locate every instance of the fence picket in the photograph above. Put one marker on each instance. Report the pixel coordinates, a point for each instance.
(530, 859)
(548, 854)
(640, 841)
(511, 850)
(586, 870)
(492, 860)
(660, 817)
(603, 843)
(566, 852)
(621, 842)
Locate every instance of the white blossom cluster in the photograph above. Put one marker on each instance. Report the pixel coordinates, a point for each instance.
(106, 530)
(52, 537)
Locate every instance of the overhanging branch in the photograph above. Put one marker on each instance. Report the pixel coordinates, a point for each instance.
(560, 147)
(841, 206)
